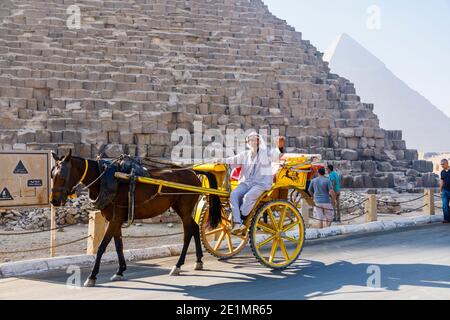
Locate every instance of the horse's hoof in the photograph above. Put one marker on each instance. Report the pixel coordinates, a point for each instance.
(175, 271)
(117, 277)
(199, 266)
(89, 283)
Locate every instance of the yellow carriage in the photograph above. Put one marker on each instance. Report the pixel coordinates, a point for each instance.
(275, 227)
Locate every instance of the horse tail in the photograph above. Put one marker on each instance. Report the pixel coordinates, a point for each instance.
(215, 206)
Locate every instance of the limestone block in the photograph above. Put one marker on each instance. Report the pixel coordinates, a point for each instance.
(79, 115)
(368, 181)
(43, 136)
(352, 143)
(124, 126)
(105, 114)
(149, 126)
(26, 137)
(323, 123)
(347, 133)
(131, 116)
(25, 114)
(384, 167)
(113, 137)
(114, 150)
(379, 143)
(56, 124)
(363, 143)
(380, 182)
(142, 139)
(71, 136)
(368, 153)
(155, 151)
(160, 139)
(126, 138)
(369, 167)
(109, 125)
(26, 93)
(348, 154)
(379, 133)
(411, 155)
(422, 166)
(89, 138)
(412, 173)
(398, 144)
(369, 132)
(430, 180)
(141, 150)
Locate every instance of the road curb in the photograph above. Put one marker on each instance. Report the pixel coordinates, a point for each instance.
(371, 227)
(36, 266)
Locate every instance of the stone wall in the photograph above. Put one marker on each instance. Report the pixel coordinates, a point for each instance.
(136, 70)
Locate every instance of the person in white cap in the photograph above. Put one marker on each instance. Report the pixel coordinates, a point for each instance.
(255, 178)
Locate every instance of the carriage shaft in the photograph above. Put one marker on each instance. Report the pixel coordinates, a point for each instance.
(175, 185)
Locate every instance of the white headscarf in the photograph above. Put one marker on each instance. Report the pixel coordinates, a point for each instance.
(263, 156)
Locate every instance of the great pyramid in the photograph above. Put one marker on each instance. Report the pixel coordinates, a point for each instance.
(136, 70)
(396, 104)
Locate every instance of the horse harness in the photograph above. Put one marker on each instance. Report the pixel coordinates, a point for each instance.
(65, 172)
(109, 185)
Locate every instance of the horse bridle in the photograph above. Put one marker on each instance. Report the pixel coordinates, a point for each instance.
(66, 176)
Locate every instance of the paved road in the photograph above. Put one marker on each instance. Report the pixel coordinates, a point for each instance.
(413, 264)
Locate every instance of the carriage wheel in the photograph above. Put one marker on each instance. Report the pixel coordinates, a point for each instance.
(220, 242)
(278, 242)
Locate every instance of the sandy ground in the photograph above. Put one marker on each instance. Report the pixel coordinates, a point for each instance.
(16, 243)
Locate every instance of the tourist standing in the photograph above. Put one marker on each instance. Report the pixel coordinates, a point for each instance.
(445, 189)
(322, 190)
(335, 179)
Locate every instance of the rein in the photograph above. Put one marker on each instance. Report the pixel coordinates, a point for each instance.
(72, 193)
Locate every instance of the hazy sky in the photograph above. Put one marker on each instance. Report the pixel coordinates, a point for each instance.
(413, 38)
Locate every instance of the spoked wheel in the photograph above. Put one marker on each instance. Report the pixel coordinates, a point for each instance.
(277, 234)
(220, 242)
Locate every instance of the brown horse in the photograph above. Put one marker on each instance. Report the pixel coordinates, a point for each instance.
(69, 171)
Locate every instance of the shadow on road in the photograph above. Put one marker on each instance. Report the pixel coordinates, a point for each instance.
(243, 278)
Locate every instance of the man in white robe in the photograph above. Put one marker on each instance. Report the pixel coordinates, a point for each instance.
(256, 178)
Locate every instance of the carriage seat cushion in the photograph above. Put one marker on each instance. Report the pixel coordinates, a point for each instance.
(235, 174)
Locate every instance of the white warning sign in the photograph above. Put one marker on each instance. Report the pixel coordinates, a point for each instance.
(5, 195)
(25, 179)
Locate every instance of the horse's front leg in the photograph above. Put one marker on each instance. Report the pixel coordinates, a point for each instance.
(122, 263)
(90, 282)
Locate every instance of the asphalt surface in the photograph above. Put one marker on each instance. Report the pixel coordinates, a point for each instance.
(409, 264)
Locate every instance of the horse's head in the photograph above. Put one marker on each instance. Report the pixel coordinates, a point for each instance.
(63, 178)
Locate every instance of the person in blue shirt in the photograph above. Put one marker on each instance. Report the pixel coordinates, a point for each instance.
(322, 191)
(335, 179)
